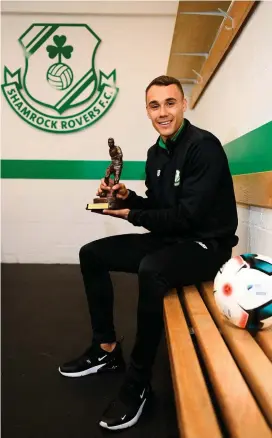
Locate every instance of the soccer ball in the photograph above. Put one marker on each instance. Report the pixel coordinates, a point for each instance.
(59, 76)
(243, 291)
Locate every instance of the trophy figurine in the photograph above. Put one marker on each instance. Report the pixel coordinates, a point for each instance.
(108, 199)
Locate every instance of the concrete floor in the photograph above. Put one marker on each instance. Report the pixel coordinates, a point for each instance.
(45, 322)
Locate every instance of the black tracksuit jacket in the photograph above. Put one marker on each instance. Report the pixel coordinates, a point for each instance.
(190, 192)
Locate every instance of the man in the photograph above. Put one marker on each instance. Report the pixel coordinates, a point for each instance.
(190, 213)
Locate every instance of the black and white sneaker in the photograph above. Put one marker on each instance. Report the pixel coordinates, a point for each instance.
(94, 360)
(126, 409)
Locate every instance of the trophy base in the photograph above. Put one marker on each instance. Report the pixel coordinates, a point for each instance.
(100, 206)
(103, 204)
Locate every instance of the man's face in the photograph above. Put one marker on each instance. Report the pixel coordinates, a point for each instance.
(165, 107)
(111, 142)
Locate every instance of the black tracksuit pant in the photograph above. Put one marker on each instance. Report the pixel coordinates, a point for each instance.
(161, 265)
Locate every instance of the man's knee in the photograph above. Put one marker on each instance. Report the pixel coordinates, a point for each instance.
(90, 252)
(94, 254)
(148, 268)
(85, 251)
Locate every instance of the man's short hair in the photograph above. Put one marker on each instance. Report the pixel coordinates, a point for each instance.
(163, 81)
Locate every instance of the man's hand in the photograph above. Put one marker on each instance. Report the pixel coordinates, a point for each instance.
(123, 214)
(103, 187)
(122, 191)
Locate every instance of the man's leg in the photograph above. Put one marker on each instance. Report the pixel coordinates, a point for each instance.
(178, 265)
(121, 253)
(172, 266)
(97, 259)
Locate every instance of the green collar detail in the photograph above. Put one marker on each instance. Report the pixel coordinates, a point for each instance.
(161, 142)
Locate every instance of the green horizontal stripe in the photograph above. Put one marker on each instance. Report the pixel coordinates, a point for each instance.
(59, 169)
(252, 152)
(247, 154)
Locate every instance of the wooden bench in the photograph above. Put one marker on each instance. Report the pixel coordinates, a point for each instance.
(222, 375)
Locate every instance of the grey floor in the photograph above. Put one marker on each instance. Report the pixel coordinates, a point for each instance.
(45, 322)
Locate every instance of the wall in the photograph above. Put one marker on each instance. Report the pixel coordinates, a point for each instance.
(44, 220)
(238, 101)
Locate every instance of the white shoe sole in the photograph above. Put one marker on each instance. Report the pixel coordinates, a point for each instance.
(128, 423)
(92, 370)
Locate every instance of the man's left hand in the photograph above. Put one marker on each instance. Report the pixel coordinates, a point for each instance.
(123, 214)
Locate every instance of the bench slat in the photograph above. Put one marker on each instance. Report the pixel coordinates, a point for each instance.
(239, 409)
(264, 339)
(255, 365)
(195, 413)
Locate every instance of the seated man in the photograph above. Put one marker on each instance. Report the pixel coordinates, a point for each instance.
(190, 213)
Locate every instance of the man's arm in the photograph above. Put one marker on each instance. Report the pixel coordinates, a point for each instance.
(198, 193)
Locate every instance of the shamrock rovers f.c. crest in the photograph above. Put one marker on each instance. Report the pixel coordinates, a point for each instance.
(59, 91)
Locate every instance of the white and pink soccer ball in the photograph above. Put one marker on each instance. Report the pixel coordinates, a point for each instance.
(243, 291)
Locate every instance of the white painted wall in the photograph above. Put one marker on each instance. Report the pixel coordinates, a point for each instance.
(136, 45)
(45, 221)
(238, 100)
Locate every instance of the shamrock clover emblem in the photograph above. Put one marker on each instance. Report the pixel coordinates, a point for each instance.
(59, 75)
(59, 49)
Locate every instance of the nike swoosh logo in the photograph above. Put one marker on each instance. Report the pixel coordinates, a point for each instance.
(141, 395)
(122, 418)
(101, 358)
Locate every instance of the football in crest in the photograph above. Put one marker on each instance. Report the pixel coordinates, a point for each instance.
(59, 76)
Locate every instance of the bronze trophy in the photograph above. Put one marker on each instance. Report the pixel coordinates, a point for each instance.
(108, 199)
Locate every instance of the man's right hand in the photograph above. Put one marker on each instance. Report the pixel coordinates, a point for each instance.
(103, 188)
(120, 188)
(122, 191)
